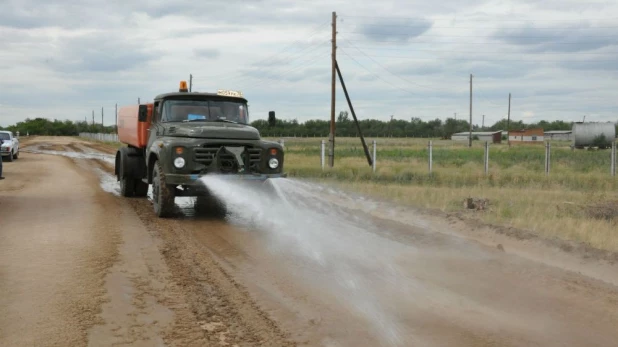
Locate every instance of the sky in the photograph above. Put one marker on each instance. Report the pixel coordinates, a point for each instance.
(400, 58)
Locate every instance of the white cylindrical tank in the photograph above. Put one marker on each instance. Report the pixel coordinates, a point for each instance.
(584, 134)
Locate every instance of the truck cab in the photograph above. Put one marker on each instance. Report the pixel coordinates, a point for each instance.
(183, 136)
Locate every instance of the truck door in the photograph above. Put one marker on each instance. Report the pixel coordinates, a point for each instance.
(155, 127)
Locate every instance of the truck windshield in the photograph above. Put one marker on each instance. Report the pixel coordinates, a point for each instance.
(5, 136)
(205, 111)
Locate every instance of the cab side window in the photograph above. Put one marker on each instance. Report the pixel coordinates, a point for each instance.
(156, 117)
(164, 116)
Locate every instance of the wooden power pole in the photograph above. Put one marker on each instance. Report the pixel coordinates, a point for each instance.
(470, 136)
(508, 123)
(331, 139)
(190, 82)
(102, 117)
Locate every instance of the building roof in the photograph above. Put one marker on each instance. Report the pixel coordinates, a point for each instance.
(534, 131)
(559, 132)
(478, 133)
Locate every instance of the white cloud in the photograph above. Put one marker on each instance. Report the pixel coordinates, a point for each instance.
(402, 58)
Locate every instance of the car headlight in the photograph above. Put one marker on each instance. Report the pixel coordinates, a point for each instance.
(273, 163)
(179, 163)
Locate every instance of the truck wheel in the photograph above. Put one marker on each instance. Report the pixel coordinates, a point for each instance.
(10, 156)
(127, 187)
(162, 194)
(209, 205)
(141, 189)
(16, 156)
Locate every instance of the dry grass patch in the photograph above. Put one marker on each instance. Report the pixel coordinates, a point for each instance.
(539, 211)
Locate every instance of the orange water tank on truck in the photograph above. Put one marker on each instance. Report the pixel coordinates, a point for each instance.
(132, 129)
(182, 136)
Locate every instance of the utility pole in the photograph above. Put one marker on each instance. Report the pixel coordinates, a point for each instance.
(116, 112)
(331, 152)
(508, 123)
(92, 117)
(470, 136)
(190, 82)
(483, 124)
(138, 100)
(102, 117)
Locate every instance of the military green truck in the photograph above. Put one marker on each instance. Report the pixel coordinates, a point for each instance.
(180, 137)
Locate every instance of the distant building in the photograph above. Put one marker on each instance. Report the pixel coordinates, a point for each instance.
(483, 136)
(527, 135)
(559, 135)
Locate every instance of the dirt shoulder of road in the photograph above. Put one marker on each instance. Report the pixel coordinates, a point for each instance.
(55, 252)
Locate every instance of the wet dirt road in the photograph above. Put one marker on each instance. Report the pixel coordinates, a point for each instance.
(82, 266)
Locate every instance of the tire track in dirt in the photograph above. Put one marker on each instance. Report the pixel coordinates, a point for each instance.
(223, 306)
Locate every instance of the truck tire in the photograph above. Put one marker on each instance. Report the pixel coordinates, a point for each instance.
(127, 183)
(127, 187)
(16, 155)
(210, 206)
(141, 189)
(11, 156)
(163, 195)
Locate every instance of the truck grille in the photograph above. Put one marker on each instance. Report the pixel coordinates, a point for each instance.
(227, 161)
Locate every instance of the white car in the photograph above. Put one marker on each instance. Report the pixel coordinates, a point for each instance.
(10, 145)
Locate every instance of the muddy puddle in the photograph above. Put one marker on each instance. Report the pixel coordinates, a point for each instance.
(43, 149)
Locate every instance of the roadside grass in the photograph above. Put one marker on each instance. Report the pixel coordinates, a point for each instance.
(520, 194)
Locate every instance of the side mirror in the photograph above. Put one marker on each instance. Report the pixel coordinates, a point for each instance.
(142, 114)
(272, 121)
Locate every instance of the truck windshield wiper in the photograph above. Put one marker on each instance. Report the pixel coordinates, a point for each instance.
(194, 120)
(224, 120)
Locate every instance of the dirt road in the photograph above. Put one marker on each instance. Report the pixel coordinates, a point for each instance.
(80, 265)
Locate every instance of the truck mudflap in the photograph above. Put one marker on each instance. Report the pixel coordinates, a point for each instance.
(176, 179)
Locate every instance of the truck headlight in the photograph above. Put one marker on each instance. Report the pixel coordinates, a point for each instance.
(273, 163)
(179, 163)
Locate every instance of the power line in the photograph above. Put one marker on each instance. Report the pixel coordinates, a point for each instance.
(428, 26)
(483, 19)
(252, 74)
(489, 36)
(468, 43)
(487, 52)
(314, 31)
(376, 75)
(497, 60)
(308, 62)
(385, 69)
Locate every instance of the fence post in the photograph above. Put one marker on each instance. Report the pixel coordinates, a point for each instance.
(373, 161)
(430, 156)
(486, 158)
(547, 157)
(613, 165)
(323, 146)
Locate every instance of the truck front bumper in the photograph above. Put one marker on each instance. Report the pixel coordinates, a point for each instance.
(190, 180)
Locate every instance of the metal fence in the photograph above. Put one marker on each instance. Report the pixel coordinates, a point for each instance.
(613, 154)
(100, 137)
